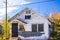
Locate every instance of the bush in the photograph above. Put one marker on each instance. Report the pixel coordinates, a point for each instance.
(53, 34)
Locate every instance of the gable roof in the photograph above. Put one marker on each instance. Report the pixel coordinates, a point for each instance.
(22, 21)
(18, 14)
(26, 9)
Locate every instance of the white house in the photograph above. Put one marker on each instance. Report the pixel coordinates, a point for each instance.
(29, 23)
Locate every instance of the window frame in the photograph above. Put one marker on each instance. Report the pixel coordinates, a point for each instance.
(35, 26)
(42, 27)
(28, 12)
(27, 16)
(38, 28)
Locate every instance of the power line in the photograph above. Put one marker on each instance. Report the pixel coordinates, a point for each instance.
(30, 3)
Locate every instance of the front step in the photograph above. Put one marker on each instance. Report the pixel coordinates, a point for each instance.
(13, 38)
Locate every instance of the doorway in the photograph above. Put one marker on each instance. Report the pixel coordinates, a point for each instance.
(14, 29)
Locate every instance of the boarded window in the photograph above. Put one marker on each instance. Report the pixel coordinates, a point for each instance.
(40, 27)
(27, 16)
(34, 27)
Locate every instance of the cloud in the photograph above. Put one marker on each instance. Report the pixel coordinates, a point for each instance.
(3, 10)
(17, 2)
(10, 3)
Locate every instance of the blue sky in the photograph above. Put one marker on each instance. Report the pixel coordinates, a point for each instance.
(42, 8)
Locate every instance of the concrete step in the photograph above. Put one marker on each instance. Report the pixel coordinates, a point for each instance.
(13, 38)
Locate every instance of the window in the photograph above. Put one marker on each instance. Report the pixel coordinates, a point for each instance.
(21, 28)
(27, 16)
(37, 28)
(28, 12)
(34, 27)
(40, 27)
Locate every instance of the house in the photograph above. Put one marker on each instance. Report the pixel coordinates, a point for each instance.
(1, 27)
(29, 23)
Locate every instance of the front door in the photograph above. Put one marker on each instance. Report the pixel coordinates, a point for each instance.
(14, 29)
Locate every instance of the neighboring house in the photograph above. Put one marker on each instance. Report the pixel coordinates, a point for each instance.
(29, 23)
(1, 27)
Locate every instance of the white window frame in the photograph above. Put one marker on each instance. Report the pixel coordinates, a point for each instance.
(37, 28)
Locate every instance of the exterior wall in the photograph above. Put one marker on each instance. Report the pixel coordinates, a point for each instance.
(46, 30)
(27, 27)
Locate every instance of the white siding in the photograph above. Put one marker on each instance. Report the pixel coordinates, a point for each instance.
(34, 19)
(27, 27)
(46, 30)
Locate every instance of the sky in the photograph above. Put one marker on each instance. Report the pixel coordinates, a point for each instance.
(43, 8)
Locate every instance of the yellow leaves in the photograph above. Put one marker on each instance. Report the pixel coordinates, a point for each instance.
(6, 28)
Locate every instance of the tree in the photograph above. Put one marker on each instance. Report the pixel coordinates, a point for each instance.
(6, 30)
(56, 24)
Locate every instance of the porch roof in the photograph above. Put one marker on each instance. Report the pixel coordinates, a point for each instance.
(22, 21)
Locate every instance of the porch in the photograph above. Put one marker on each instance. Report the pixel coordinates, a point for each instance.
(29, 34)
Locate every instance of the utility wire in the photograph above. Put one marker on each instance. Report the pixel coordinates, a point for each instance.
(30, 3)
(33, 3)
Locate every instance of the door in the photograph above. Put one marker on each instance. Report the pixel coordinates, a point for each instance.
(14, 29)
